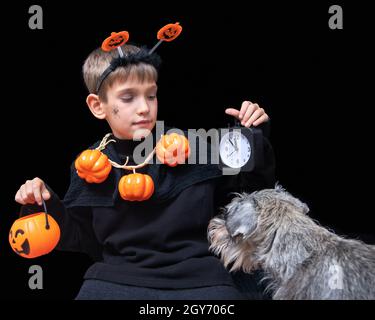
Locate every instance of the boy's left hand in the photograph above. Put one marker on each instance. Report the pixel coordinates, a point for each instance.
(250, 114)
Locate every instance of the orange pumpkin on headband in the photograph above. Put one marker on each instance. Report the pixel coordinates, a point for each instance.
(169, 32)
(173, 149)
(32, 236)
(116, 39)
(93, 166)
(136, 187)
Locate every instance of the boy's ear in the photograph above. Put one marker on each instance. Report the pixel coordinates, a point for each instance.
(96, 106)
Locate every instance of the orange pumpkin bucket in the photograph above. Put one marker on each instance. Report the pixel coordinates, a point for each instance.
(34, 235)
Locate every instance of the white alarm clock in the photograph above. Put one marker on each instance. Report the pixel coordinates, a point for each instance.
(238, 148)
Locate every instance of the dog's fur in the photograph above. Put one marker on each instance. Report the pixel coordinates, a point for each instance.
(270, 229)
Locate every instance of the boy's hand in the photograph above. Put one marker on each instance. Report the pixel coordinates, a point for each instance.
(250, 114)
(32, 191)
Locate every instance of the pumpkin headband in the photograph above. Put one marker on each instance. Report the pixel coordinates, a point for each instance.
(143, 56)
(168, 33)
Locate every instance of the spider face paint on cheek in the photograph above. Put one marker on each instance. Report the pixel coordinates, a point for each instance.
(115, 111)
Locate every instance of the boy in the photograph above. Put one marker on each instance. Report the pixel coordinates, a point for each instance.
(154, 249)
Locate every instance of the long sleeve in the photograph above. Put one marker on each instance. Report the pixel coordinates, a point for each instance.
(263, 176)
(77, 234)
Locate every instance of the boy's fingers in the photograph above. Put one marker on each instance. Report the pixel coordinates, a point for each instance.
(37, 192)
(40, 191)
(256, 115)
(263, 118)
(29, 189)
(23, 194)
(32, 191)
(45, 193)
(18, 198)
(232, 112)
(250, 110)
(244, 106)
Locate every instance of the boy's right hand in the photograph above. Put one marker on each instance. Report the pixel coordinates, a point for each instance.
(32, 191)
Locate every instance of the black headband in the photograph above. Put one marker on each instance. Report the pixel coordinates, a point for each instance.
(142, 56)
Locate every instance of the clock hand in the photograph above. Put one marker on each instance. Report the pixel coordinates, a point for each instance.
(232, 143)
(232, 153)
(235, 146)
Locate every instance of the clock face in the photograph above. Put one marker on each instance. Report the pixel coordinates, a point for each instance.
(235, 149)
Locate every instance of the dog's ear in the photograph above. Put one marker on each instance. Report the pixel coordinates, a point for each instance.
(242, 219)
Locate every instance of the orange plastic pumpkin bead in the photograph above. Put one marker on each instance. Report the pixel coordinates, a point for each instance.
(93, 166)
(173, 149)
(136, 187)
(30, 237)
(116, 39)
(169, 32)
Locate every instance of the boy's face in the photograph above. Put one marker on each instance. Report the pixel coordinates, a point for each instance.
(131, 108)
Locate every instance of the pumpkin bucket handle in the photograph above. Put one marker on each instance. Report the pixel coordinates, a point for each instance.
(47, 226)
(45, 213)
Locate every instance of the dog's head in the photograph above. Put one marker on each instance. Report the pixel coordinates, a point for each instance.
(260, 210)
(245, 231)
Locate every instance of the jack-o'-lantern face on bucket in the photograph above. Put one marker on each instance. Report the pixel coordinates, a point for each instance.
(19, 242)
(31, 236)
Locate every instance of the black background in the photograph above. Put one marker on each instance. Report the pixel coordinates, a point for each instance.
(315, 83)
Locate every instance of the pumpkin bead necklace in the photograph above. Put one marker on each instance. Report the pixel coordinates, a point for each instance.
(94, 166)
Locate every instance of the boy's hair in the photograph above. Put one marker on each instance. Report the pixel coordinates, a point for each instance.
(99, 60)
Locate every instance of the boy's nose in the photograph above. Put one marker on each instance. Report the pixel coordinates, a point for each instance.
(143, 107)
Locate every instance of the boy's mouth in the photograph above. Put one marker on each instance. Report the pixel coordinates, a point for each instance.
(142, 122)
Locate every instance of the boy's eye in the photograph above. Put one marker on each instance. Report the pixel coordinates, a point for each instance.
(127, 99)
(152, 97)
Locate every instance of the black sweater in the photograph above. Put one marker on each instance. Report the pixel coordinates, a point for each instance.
(160, 242)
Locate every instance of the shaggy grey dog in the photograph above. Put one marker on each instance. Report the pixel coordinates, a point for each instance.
(269, 229)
